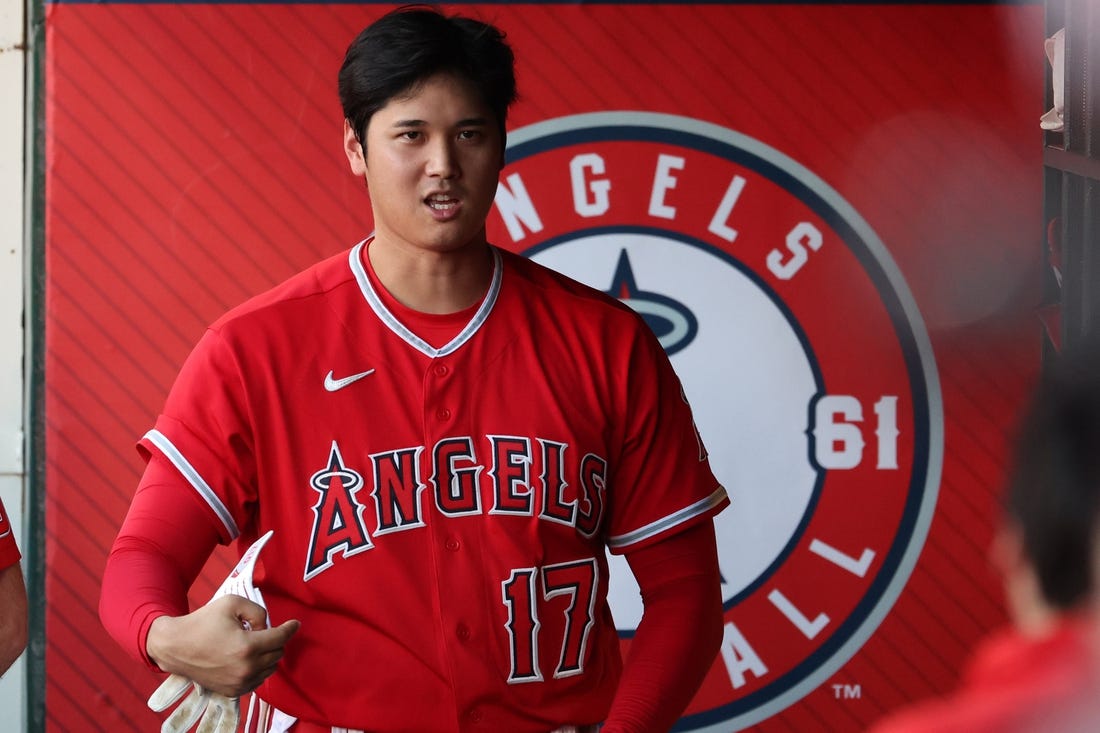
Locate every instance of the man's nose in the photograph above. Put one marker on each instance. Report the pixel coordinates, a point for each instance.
(442, 160)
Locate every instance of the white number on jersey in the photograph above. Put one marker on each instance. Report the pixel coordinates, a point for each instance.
(574, 580)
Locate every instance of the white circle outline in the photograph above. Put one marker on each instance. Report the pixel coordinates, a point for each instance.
(909, 308)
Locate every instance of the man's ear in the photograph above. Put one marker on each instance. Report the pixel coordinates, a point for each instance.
(357, 158)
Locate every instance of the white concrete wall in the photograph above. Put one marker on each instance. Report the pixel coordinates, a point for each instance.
(12, 486)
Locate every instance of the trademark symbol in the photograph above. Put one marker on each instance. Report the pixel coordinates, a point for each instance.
(847, 692)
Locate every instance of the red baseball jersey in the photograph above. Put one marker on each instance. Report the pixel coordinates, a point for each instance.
(441, 512)
(9, 551)
(1017, 682)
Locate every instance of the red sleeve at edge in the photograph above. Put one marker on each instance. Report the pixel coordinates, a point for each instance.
(9, 551)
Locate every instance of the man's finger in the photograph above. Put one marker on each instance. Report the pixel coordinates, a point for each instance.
(254, 619)
(269, 659)
(248, 613)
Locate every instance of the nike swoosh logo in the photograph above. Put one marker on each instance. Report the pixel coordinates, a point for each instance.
(334, 384)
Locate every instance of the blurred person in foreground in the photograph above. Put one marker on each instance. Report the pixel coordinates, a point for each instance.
(13, 598)
(1040, 673)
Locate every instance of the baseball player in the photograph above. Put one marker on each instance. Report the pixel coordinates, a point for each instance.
(13, 597)
(445, 438)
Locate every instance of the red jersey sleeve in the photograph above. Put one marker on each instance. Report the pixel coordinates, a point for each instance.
(662, 483)
(166, 537)
(205, 433)
(9, 551)
(679, 579)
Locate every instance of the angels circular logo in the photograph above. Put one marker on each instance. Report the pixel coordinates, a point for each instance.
(803, 355)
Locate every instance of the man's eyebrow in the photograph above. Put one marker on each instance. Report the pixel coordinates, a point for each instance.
(467, 122)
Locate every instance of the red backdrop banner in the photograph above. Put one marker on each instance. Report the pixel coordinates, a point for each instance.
(831, 214)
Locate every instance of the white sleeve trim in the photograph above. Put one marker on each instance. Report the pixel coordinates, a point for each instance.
(161, 441)
(665, 523)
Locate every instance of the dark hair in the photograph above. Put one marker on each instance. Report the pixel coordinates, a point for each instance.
(1054, 488)
(403, 48)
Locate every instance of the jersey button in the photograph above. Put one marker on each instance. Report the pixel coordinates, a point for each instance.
(463, 632)
(475, 716)
(441, 370)
(451, 544)
(443, 413)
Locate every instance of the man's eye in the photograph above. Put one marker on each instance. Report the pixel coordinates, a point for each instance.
(411, 134)
(469, 134)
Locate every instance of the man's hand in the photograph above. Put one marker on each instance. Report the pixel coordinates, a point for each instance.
(216, 653)
(214, 647)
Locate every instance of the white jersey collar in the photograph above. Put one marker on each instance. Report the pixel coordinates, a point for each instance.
(355, 260)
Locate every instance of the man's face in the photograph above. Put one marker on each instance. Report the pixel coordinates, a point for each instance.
(431, 164)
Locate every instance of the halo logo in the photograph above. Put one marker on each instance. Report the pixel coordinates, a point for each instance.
(674, 324)
(805, 360)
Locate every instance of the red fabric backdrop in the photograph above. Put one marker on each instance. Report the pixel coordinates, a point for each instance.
(193, 159)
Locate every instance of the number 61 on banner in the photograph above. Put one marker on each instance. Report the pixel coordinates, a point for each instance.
(836, 442)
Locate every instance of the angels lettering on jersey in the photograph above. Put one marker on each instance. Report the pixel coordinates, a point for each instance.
(523, 476)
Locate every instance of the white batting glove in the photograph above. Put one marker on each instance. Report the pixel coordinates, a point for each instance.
(214, 713)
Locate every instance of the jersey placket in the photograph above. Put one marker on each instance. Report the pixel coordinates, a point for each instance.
(456, 550)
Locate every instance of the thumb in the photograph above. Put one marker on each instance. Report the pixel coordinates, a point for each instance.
(277, 637)
(287, 629)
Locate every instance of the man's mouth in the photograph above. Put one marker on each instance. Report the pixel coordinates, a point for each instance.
(441, 202)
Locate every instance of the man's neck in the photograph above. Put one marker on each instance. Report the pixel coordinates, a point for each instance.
(1030, 612)
(432, 282)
